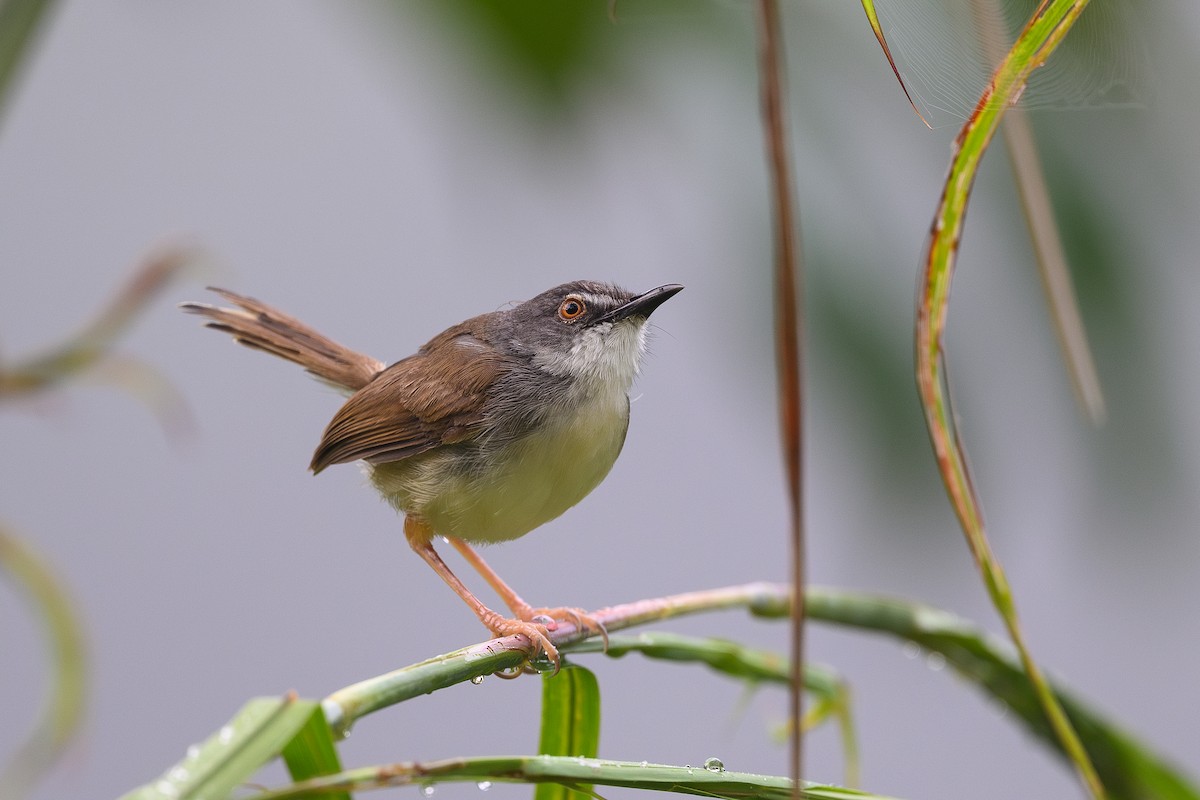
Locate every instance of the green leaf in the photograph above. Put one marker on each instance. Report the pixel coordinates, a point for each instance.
(232, 755)
(570, 723)
(312, 753)
(1128, 770)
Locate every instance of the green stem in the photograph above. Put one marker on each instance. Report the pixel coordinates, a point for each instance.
(345, 706)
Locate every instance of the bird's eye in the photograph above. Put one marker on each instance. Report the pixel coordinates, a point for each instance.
(571, 309)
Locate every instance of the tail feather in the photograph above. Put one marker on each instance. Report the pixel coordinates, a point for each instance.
(258, 325)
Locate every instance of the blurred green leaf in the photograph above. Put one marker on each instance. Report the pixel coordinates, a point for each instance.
(570, 723)
(20, 22)
(232, 755)
(546, 45)
(87, 347)
(89, 352)
(867, 359)
(547, 51)
(1137, 456)
(64, 705)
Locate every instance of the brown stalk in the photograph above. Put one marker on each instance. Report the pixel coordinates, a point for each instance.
(788, 340)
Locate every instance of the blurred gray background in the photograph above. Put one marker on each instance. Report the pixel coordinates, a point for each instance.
(383, 171)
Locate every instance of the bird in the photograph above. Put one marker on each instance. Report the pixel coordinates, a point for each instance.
(492, 428)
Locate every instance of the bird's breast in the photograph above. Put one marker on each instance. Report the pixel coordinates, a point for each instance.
(515, 486)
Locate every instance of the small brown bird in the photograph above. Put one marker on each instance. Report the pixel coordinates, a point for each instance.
(494, 427)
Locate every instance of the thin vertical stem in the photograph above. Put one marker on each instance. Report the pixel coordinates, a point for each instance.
(1044, 235)
(788, 339)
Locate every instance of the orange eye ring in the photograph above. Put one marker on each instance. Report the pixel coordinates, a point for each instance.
(571, 309)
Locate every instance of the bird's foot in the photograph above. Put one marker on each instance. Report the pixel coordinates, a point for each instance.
(576, 616)
(536, 632)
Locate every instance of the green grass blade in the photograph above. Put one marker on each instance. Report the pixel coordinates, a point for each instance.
(877, 29)
(570, 723)
(694, 780)
(1043, 33)
(312, 753)
(232, 755)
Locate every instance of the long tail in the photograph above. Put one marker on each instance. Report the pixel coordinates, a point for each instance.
(257, 325)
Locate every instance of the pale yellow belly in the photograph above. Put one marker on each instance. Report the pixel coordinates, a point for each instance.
(531, 482)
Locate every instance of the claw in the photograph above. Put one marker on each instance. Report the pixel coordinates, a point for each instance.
(576, 616)
(536, 633)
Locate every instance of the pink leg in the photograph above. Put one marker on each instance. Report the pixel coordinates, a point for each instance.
(519, 607)
(419, 539)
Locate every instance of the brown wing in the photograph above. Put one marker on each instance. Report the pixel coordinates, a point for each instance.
(427, 400)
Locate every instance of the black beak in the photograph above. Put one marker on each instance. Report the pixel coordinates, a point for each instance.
(642, 305)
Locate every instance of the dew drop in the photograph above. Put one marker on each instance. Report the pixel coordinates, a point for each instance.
(225, 735)
(427, 789)
(935, 661)
(192, 753)
(714, 765)
(911, 649)
(484, 785)
(645, 763)
(478, 679)
(166, 788)
(178, 774)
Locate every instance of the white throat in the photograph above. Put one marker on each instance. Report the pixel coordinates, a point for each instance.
(605, 357)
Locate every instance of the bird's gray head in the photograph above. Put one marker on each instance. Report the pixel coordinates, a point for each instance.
(589, 331)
